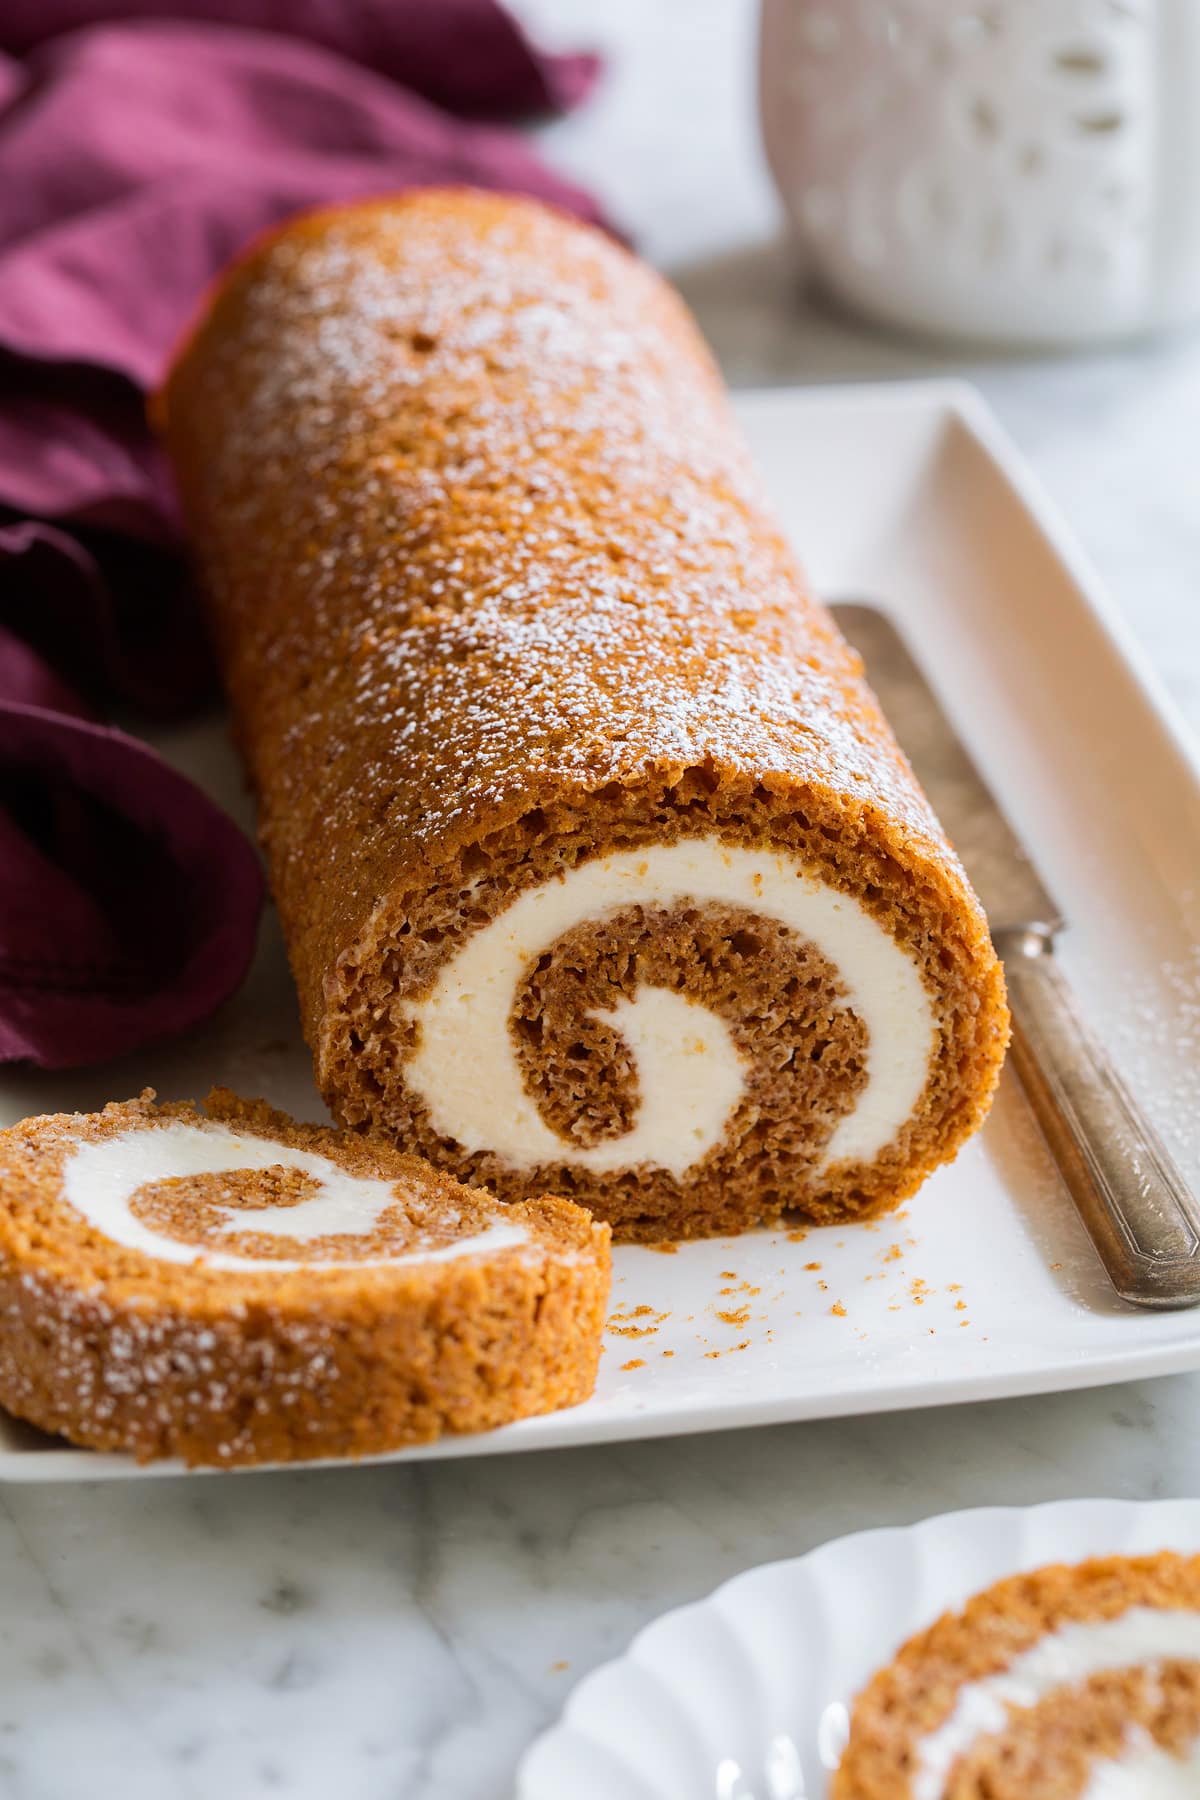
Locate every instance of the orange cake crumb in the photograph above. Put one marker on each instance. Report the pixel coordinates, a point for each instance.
(638, 1322)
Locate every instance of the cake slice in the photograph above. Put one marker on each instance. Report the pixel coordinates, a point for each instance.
(1070, 1683)
(231, 1287)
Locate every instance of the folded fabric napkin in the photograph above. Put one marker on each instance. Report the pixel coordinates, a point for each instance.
(141, 146)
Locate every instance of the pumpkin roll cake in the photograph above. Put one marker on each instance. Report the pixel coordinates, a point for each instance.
(1075, 1683)
(230, 1287)
(598, 866)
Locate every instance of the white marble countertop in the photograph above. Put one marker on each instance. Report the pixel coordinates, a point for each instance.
(381, 1633)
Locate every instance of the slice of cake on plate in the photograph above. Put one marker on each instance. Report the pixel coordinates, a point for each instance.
(230, 1287)
(1069, 1683)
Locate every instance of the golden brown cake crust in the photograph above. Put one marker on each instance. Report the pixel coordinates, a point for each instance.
(1048, 1750)
(496, 593)
(121, 1351)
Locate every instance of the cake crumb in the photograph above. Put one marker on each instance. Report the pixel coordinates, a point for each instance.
(838, 1309)
(711, 1355)
(635, 1363)
(639, 1322)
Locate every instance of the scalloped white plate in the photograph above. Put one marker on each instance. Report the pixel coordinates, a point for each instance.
(985, 1283)
(746, 1695)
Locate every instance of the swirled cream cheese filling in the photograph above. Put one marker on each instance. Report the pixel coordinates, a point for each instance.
(690, 1074)
(1145, 1772)
(100, 1180)
(1143, 1636)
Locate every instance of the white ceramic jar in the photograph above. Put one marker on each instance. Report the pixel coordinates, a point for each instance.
(1020, 171)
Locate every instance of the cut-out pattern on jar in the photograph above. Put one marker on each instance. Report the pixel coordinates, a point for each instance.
(1016, 170)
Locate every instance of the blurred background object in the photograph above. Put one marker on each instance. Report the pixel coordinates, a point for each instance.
(1016, 171)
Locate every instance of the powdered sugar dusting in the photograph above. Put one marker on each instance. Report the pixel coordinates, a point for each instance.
(1156, 1045)
(475, 516)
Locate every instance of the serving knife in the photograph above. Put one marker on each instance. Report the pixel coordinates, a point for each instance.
(1138, 1210)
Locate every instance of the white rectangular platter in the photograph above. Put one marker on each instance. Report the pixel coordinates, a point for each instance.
(984, 1285)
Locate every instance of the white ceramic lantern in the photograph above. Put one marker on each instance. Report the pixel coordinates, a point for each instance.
(1023, 171)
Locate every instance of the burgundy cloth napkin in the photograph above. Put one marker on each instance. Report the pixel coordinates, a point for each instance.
(141, 146)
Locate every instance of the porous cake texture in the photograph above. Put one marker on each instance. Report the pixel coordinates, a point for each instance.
(231, 1287)
(598, 865)
(1070, 1683)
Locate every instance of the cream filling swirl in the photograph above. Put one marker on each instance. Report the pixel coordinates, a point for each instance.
(1144, 1772)
(101, 1179)
(691, 1076)
(1143, 1636)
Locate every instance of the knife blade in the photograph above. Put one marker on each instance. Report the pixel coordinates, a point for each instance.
(996, 861)
(1138, 1210)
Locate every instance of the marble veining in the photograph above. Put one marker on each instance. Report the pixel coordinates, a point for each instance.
(402, 1633)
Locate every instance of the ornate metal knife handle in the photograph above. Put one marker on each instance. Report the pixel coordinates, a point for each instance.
(1132, 1199)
